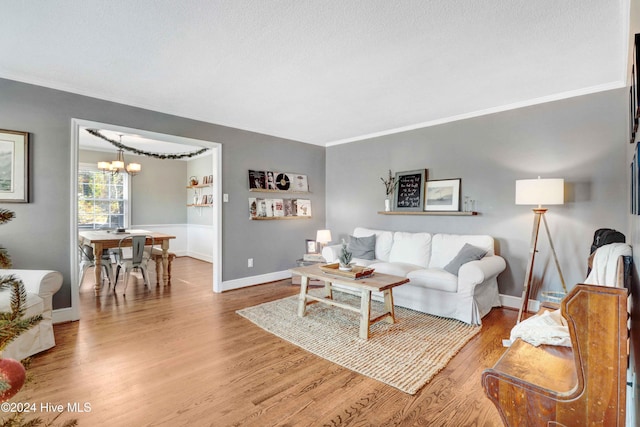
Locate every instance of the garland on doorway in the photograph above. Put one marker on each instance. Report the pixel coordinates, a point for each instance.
(96, 132)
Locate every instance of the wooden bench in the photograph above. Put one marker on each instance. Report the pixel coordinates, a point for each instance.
(156, 256)
(562, 386)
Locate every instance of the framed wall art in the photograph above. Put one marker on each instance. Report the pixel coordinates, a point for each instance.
(409, 194)
(14, 166)
(443, 195)
(311, 246)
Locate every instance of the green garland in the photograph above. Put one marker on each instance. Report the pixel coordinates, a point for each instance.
(96, 132)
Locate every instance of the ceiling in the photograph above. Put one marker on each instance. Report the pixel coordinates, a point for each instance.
(320, 72)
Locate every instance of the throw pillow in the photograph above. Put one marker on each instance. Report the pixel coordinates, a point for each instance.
(466, 254)
(363, 247)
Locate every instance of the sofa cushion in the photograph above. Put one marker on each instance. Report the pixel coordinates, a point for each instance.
(395, 268)
(434, 278)
(363, 262)
(466, 254)
(411, 248)
(445, 247)
(384, 240)
(363, 247)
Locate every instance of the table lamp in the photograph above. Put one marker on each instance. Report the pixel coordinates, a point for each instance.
(323, 237)
(538, 192)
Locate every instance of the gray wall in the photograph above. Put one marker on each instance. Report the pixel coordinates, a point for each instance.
(581, 140)
(273, 245)
(39, 236)
(158, 193)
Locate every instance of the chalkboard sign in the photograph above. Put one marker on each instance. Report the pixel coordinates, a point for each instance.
(409, 194)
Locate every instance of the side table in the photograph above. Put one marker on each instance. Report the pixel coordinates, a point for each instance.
(296, 279)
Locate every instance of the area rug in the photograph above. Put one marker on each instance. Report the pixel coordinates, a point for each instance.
(404, 355)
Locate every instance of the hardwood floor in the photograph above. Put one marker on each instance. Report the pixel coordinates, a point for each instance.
(180, 356)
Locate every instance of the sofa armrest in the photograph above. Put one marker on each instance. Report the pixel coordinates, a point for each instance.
(475, 272)
(331, 253)
(45, 283)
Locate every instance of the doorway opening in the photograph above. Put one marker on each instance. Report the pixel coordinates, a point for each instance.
(78, 127)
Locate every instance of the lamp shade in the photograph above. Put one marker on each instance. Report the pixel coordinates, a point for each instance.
(323, 236)
(540, 191)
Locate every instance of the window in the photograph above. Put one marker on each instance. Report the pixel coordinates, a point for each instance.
(103, 200)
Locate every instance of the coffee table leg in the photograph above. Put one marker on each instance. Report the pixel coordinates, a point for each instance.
(302, 299)
(328, 290)
(365, 313)
(388, 306)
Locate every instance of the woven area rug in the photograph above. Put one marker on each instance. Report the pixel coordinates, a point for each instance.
(405, 355)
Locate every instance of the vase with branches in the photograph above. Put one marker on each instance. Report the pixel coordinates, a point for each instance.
(390, 185)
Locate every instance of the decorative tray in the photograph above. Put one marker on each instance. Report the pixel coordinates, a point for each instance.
(357, 272)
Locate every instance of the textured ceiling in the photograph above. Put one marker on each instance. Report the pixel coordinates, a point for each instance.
(321, 72)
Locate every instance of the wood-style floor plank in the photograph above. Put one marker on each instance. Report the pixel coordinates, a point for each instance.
(181, 356)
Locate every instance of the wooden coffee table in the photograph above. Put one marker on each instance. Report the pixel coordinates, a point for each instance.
(378, 282)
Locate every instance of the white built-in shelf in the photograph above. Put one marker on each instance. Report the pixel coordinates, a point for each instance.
(201, 205)
(433, 213)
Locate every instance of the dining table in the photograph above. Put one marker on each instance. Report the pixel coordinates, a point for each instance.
(108, 239)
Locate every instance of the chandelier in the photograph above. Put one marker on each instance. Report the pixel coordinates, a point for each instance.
(118, 165)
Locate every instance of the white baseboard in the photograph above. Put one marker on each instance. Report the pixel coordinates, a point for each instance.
(254, 280)
(515, 302)
(63, 315)
(200, 256)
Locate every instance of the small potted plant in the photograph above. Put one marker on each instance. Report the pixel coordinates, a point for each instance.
(345, 258)
(389, 185)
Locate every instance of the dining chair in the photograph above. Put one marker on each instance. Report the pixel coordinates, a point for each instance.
(87, 259)
(140, 255)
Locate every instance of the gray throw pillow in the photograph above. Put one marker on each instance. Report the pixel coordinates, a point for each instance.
(466, 254)
(363, 247)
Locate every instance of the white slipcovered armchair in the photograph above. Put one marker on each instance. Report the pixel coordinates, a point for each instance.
(40, 286)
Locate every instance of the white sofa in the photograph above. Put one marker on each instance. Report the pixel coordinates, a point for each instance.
(40, 286)
(422, 258)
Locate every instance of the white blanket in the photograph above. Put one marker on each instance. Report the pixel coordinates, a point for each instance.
(604, 267)
(547, 328)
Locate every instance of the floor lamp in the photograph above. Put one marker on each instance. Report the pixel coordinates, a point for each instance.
(538, 192)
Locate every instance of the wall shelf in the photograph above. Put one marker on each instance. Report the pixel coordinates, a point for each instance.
(269, 218)
(432, 213)
(200, 195)
(264, 190)
(200, 185)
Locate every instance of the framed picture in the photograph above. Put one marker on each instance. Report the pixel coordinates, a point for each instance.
(636, 62)
(443, 195)
(636, 180)
(298, 182)
(409, 194)
(632, 199)
(14, 166)
(632, 134)
(257, 180)
(311, 246)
